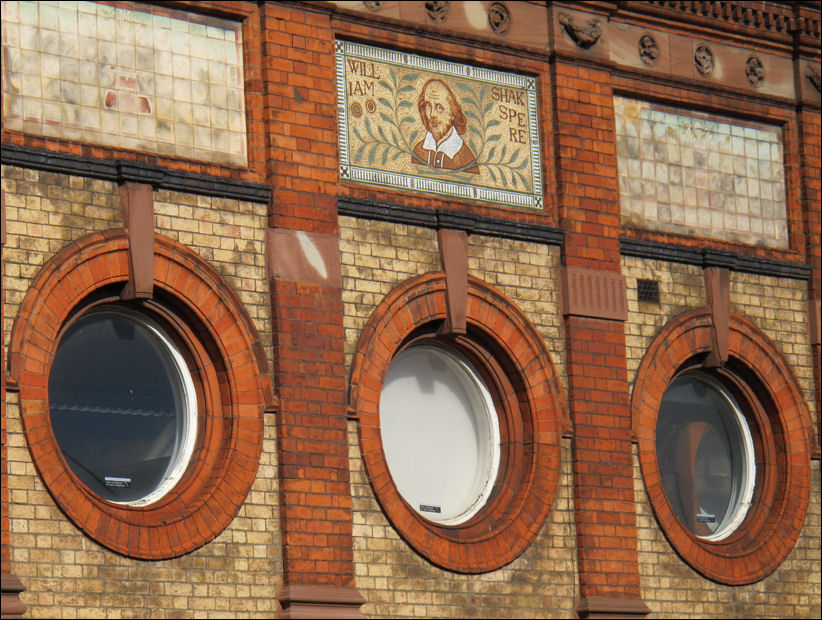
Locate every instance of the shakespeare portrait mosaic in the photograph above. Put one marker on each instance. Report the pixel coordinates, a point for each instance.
(428, 125)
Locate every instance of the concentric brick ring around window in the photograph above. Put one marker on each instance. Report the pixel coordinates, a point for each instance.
(509, 357)
(760, 381)
(205, 320)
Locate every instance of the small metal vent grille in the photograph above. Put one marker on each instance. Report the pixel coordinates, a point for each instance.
(648, 290)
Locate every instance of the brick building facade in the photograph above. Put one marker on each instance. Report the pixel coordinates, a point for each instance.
(588, 218)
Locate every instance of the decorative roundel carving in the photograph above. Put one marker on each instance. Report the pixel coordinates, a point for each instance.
(648, 49)
(438, 10)
(754, 71)
(499, 18)
(704, 60)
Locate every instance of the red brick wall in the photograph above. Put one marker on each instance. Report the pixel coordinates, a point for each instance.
(597, 379)
(299, 109)
(811, 160)
(587, 173)
(292, 143)
(309, 372)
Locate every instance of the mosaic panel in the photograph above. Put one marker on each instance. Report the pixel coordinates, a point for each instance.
(130, 76)
(691, 173)
(428, 125)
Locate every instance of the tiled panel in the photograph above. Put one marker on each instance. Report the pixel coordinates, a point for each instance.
(131, 76)
(691, 173)
(483, 143)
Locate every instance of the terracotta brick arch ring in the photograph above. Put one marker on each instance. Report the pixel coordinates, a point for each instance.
(511, 357)
(201, 313)
(770, 398)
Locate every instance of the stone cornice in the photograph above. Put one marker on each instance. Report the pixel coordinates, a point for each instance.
(786, 23)
(708, 257)
(441, 218)
(120, 171)
(778, 23)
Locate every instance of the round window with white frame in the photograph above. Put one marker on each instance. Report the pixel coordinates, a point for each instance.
(123, 405)
(132, 408)
(706, 456)
(440, 433)
(724, 449)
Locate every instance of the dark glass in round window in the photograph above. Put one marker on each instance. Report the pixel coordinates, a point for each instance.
(123, 407)
(705, 455)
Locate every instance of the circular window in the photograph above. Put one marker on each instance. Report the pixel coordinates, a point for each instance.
(144, 418)
(724, 450)
(706, 456)
(439, 432)
(459, 433)
(123, 406)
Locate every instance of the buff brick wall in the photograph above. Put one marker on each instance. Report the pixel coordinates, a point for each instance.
(669, 586)
(778, 306)
(527, 274)
(230, 235)
(377, 256)
(396, 582)
(65, 573)
(673, 590)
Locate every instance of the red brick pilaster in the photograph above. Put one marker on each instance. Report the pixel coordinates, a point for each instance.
(597, 373)
(810, 161)
(603, 470)
(315, 508)
(303, 260)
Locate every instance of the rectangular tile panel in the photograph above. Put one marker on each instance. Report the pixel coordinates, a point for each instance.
(130, 76)
(707, 175)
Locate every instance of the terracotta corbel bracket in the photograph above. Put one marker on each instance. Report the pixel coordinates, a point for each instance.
(717, 277)
(815, 321)
(453, 246)
(137, 207)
